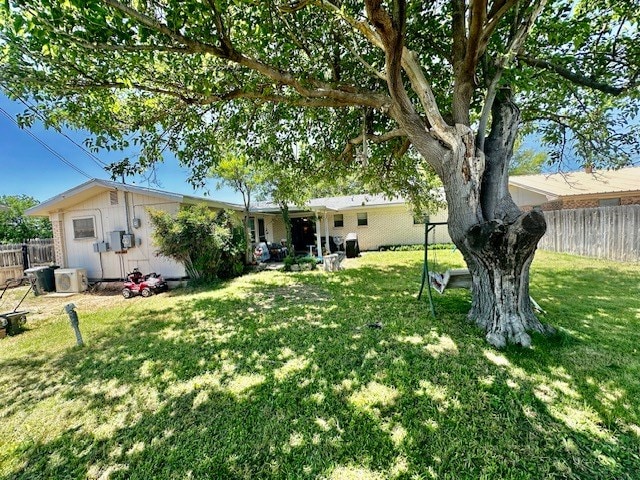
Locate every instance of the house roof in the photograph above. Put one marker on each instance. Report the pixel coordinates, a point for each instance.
(346, 202)
(95, 186)
(580, 183)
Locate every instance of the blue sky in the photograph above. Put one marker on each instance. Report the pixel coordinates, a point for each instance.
(27, 167)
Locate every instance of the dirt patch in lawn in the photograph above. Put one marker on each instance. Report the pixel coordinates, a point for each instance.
(52, 304)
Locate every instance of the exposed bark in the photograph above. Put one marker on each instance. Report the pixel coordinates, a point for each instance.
(497, 240)
(500, 249)
(499, 256)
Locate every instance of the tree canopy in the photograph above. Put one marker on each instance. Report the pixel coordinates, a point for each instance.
(15, 227)
(177, 74)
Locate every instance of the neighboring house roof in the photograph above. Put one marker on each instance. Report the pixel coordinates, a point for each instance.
(346, 202)
(580, 183)
(95, 186)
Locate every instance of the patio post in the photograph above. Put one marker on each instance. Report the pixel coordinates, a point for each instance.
(327, 245)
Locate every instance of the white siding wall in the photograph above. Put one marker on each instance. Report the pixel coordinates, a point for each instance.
(387, 226)
(108, 218)
(279, 232)
(526, 198)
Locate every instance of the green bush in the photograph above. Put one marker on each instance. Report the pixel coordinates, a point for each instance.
(210, 244)
(300, 261)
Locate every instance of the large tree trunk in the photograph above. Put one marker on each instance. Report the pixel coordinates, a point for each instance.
(497, 240)
(499, 256)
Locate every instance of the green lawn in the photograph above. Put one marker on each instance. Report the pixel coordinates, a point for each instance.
(277, 375)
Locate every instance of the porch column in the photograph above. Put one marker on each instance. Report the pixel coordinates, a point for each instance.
(327, 245)
(318, 236)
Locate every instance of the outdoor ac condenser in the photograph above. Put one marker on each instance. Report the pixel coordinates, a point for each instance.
(71, 280)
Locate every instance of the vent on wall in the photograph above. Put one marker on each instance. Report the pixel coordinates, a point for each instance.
(113, 197)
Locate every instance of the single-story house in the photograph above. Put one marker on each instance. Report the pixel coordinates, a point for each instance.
(584, 189)
(104, 227)
(375, 219)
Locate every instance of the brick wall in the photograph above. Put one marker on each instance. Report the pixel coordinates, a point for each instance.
(57, 226)
(568, 203)
(554, 205)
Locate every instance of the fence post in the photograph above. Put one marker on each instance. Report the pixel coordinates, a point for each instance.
(25, 256)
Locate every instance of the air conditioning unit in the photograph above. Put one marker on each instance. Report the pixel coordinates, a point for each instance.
(71, 280)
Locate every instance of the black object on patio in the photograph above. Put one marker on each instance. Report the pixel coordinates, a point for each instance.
(352, 247)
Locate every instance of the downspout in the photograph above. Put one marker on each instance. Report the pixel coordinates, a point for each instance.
(126, 211)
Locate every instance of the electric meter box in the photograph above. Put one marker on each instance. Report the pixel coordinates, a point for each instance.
(100, 247)
(116, 240)
(128, 240)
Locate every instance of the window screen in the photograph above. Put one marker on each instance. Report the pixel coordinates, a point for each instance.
(84, 228)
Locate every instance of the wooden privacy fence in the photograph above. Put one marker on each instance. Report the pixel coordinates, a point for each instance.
(605, 232)
(12, 261)
(10, 264)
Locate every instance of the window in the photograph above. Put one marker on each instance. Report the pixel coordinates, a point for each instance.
(362, 220)
(338, 220)
(84, 228)
(609, 202)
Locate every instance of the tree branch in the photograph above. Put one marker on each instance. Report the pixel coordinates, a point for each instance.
(221, 97)
(158, 26)
(519, 35)
(321, 90)
(348, 148)
(495, 15)
(582, 80)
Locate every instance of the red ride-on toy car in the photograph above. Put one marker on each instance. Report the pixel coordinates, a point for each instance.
(145, 285)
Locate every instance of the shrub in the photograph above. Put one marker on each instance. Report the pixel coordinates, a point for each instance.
(300, 261)
(210, 244)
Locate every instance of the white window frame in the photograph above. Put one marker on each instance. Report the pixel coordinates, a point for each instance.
(335, 220)
(366, 219)
(75, 233)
